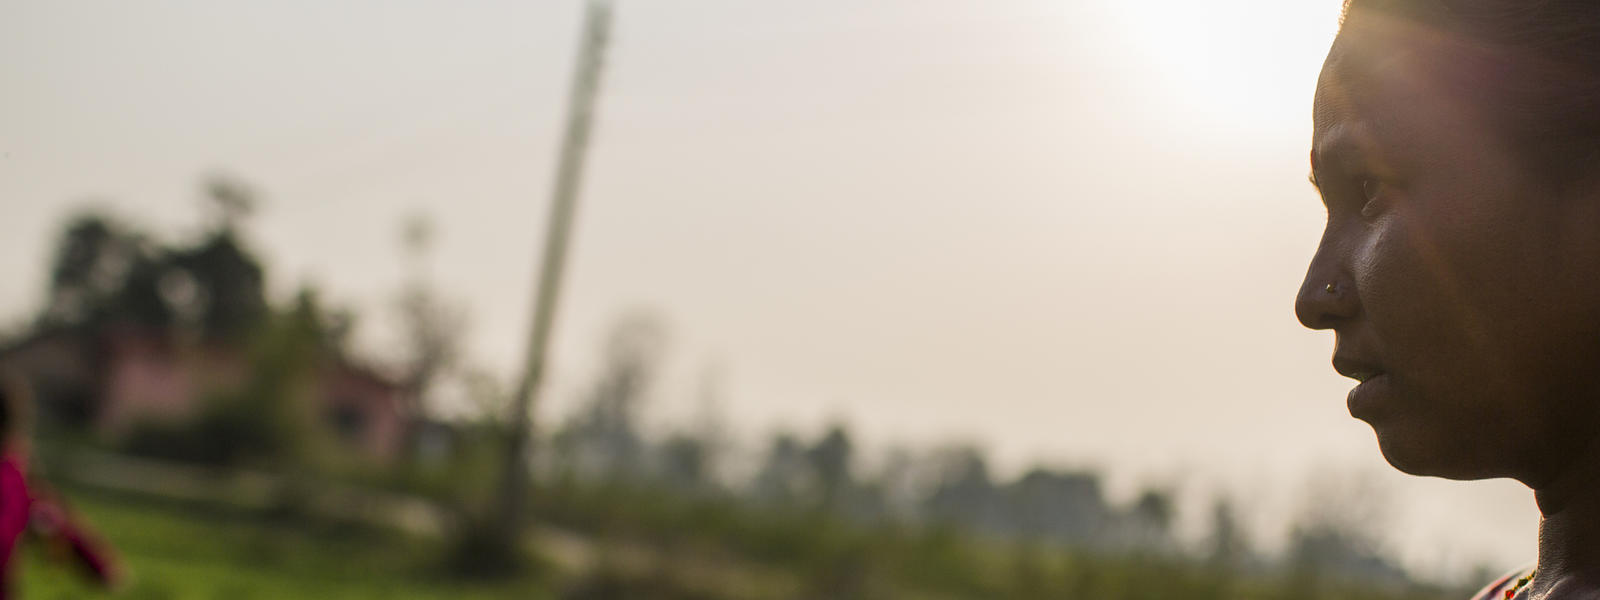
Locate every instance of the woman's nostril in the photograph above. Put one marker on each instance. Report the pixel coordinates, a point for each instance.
(1322, 303)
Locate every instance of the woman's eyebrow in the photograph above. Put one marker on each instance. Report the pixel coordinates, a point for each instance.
(1312, 175)
(1341, 148)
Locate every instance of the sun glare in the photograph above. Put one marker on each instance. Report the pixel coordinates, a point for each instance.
(1243, 61)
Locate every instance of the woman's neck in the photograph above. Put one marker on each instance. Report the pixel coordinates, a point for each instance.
(1569, 530)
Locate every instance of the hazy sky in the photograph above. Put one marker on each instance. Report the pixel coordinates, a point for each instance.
(1068, 230)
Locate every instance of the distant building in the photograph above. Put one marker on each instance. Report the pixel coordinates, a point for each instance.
(112, 380)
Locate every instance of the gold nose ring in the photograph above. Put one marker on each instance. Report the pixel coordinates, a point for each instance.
(1330, 288)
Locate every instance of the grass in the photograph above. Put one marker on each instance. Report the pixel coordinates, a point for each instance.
(647, 548)
(184, 551)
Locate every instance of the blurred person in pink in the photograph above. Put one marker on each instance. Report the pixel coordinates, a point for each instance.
(32, 508)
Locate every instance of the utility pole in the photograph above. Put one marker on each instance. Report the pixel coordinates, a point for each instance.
(563, 201)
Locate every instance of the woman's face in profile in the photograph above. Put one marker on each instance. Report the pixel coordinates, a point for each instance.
(1465, 291)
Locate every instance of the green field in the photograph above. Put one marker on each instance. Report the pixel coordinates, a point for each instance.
(190, 551)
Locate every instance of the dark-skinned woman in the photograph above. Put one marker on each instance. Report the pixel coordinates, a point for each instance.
(1456, 146)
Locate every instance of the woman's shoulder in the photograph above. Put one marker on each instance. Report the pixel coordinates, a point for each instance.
(1505, 586)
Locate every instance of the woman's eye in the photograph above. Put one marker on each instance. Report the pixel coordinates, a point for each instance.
(1371, 190)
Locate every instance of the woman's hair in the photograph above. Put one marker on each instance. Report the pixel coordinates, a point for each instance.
(1540, 74)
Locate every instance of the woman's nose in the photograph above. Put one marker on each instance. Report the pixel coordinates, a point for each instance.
(1327, 296)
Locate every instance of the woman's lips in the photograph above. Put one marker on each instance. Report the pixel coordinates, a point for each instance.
(1368, 397)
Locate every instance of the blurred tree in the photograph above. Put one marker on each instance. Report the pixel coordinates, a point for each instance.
(1149, 521)
(901, 485)
(103, 272)
(230, 200)
(781, 479)
(85, 273)
(1064, 507)
(278, 394)
(218, 279)
(964, 494)
(228, 282)
(1227, 543)
(684, 463)
(602, 439)
(691, 459)
(106, 272)
(1339, 530)
(433, 327)
(829, 460)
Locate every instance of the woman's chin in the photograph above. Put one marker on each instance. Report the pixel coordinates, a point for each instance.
(1417, 455)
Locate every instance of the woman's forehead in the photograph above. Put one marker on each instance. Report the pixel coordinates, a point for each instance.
(1358, 101)
(1391, 78)
(1377, 53)
(1369, 56)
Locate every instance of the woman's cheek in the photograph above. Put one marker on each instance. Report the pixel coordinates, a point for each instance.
(1381, 264)
(1403, 287)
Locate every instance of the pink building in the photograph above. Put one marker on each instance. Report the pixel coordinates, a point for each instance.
(113, 380)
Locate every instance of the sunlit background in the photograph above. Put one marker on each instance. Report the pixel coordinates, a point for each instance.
(1068, 232)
